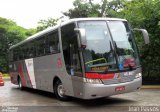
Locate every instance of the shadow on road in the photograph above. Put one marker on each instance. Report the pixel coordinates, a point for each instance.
(34, 91)
(108, 101)
(102, 102)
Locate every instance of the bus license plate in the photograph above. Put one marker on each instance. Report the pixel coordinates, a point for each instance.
(120, 88)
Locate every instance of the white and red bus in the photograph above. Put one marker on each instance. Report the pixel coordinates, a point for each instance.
(86, 58)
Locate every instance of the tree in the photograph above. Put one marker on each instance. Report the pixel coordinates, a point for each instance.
(30, 32)
(86, 8)
(43, 24)
(89, 8)
(10, 34)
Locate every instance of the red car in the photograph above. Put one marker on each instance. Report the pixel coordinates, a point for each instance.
(1, 80)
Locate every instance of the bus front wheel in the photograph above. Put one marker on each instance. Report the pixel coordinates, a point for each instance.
(59, 91)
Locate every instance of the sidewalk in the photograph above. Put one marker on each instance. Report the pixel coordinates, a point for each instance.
(150, 87)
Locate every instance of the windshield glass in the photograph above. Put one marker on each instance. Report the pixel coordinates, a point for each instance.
(124, 44)
(98, 54)
(105, 46)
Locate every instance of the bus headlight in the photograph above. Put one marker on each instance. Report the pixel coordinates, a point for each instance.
(138, 75)
(92, 81)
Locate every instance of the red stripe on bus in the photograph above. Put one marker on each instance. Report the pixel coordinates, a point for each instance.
(21, 75)
(99, 76)
(29, 77)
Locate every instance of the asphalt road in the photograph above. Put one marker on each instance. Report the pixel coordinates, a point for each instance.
(14, 100)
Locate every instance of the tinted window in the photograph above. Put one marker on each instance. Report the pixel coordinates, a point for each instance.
(24, 50)
(14, 55)
(52, 43)
(70, 50)
(30, 50)
(98, 54)
(11, 55)
(40, 46)
(20, 53)
(45, 45)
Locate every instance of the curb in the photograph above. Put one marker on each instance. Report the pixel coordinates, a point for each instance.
(151, 87)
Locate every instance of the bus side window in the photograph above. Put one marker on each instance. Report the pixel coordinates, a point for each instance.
(30, 50)
(11, 55)
(24, 48)
(70, 50)
(40, 46)
(75, 60)
(52, 43)
(14, 55)
(20, 54)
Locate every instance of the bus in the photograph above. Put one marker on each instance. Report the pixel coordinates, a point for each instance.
(86, 58)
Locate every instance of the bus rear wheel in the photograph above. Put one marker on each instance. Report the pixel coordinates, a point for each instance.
(20, 83)
(59, 91)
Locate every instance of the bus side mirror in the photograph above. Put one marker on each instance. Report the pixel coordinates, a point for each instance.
(82, 33)
(145, 35)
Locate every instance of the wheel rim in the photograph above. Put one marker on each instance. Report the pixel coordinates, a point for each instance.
(60, 90)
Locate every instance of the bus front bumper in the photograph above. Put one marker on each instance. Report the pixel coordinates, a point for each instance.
(93, 91)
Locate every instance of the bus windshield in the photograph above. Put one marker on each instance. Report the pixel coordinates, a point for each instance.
(124, 43)
(110, 46)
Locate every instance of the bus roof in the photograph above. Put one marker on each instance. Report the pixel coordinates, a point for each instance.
(41, 33)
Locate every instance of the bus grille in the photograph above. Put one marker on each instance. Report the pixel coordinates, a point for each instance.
(122, 79)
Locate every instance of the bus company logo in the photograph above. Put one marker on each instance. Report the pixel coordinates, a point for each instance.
(59, 63)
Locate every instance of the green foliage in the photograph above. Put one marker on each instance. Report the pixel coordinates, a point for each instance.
(43, 24)
(10, 34)
(30, 32)
(87, 8)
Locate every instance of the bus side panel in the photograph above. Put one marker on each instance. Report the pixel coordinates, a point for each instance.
(47, 68)
(29, 67)
(19, 68)
(44, 72)
(78, 86)
(13, 72)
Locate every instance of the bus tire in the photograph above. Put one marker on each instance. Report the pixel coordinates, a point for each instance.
(59, 92)
(20, 84)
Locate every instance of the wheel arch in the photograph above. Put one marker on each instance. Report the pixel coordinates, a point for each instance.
(56, 82)
(56, 78)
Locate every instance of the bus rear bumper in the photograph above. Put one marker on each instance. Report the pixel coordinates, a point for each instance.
(93, 91)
